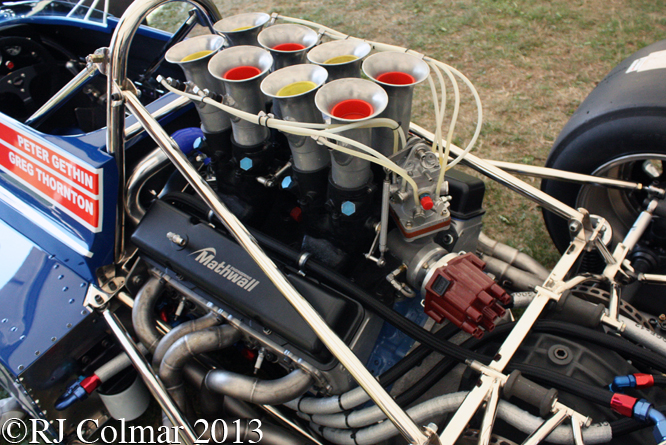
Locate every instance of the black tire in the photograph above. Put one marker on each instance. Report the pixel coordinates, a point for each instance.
(623, 122)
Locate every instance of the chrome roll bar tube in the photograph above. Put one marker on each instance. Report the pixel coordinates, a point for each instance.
(117, 81)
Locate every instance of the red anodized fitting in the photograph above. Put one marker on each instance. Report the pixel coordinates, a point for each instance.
(463, 294)
(644, 380)
(623, 404)
(90, 383)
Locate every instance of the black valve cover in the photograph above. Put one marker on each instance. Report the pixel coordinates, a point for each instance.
(226, 272)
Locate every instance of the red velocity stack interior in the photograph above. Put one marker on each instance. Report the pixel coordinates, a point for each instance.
(463, 294)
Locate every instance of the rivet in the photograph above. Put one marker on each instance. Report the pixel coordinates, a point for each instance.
(71, 301)
(13, 329)
(69, 325)
(83, 284)
(21, 368)
(60, 277)
(37, 352)
(55, 266)
(65, 289)
(53, 339)
(4, 320)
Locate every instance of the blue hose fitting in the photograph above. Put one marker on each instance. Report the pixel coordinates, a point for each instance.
(74, 393)
(645, 412)
(621, 382)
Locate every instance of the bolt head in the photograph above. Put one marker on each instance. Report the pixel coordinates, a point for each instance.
(348, 208)
(246, 164)
(286, 182)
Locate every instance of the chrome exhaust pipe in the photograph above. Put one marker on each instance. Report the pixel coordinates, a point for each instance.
(288, 44)
(242, 29)
(341, 58)
(398, 73)
(293, 89)
(241, 69)
(193, 55)
(348, 101)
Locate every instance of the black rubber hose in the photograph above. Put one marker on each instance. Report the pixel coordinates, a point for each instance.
(341, 283)
(389, 315)
(617, 344)
(620, 345)
(659, 380)
(551, 378)
(415, 357)
(412, 329)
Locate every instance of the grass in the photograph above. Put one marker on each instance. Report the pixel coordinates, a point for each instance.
(533, 62)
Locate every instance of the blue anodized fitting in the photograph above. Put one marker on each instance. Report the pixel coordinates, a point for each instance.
(622, 381)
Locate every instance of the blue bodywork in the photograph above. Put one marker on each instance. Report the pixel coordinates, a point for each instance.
(48, 257)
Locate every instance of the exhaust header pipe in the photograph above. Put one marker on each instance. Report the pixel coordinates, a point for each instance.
(341, 58)
(293, 89)
(242, 29)
(397, 73)
(347, 101)
(288, 44)
(241, 69)
(193, 55)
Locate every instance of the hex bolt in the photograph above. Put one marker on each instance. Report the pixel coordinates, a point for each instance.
(99, 299)
(348, 208)
(574, 226)
(246, 164)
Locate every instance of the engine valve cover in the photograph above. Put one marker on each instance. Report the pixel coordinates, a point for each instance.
(460, 292)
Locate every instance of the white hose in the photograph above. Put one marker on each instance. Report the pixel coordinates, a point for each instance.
(10, 408)
(379, 46)
(422, 413)
(479, 108)
(452, 125)
(116, 364)
(644, 337)
(288, 127)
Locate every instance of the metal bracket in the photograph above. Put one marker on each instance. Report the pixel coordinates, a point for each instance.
(97, 298)
(551, 291)
(100, 58)
(561, 413)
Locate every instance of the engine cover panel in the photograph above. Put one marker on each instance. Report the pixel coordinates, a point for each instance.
(224, 270)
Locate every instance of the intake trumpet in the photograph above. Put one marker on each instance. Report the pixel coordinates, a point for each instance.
(398, 73)
(241, 69)
(288, 44)
(348, 101)
(193, 55)
(341, 58)
(242, 29)
(293, 89)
